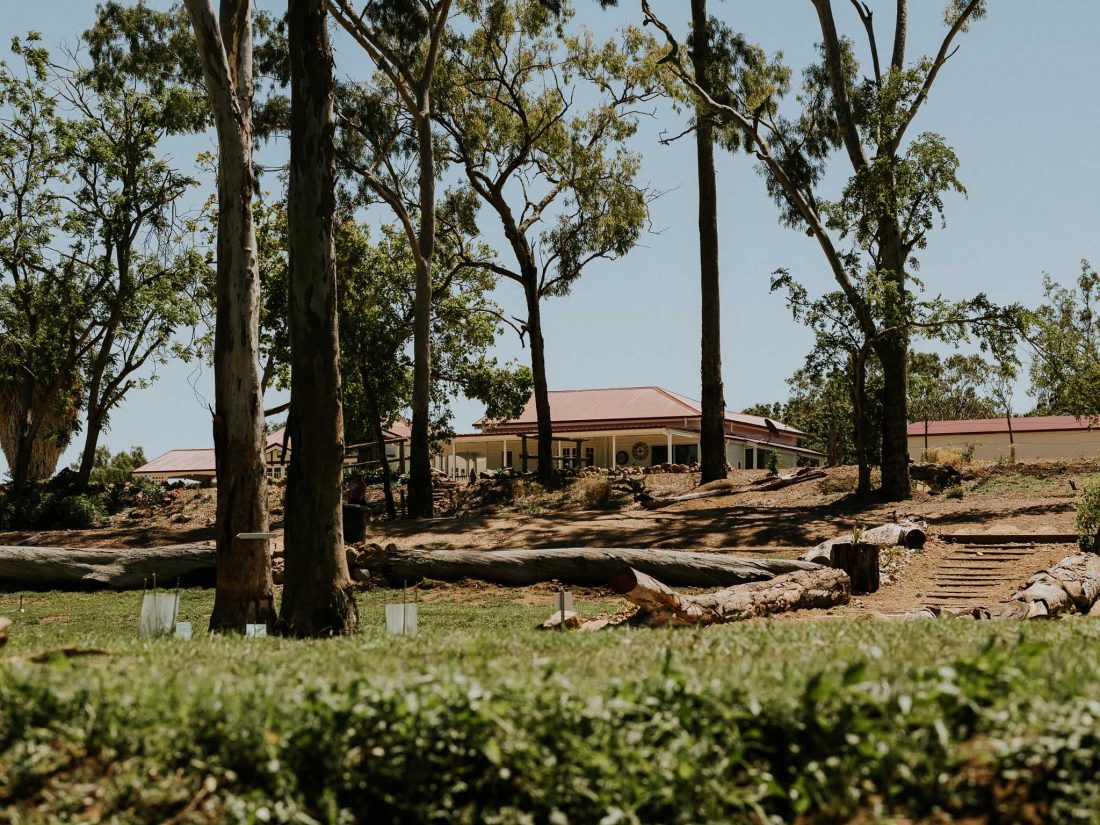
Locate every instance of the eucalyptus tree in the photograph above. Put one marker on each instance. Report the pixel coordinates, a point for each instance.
(318, 596)
(554, 174)
(123, 202)
(244, 585)
(895, 193)
(48, 293)
(1064, 335)
(403, 39)
(377, 289)
(950, 389)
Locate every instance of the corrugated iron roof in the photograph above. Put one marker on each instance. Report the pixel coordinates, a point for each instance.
(180, 461)
(626, 404)
(975, 426)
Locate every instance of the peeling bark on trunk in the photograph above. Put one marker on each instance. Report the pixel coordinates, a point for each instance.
(712, 433)
(658, 606)
(244, 587)
(318, 596)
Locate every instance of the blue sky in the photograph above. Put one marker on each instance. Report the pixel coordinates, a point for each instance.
(1018, 103)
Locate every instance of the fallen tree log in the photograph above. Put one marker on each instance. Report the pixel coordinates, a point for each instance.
(1072, 586)
(659, 606)
(578, 565)
(761, 485)
(903, 533)
(103, 568)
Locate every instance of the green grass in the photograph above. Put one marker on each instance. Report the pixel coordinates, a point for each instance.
(482, 719)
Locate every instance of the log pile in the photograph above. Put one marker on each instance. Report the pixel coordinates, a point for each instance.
(659, 606)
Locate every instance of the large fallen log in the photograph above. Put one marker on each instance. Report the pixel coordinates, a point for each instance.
(1070, 586)
(578, 565)
(103, 568)
(902, 533)
(761, 485)
(659, 606)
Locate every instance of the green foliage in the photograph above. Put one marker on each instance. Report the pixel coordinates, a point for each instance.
(557, 176)
(955, 491)
(508, 725)
(1065, 335)
(1087, 520)
(39, 508)
(950, 389)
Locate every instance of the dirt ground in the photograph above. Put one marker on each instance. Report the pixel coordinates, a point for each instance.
(1011, 500)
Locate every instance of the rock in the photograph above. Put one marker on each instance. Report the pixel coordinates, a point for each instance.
(278, 567)
(4, 625)
(572, 620)
(360, 575)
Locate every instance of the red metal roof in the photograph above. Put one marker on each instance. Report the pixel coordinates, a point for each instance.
(180, 461)
(975, 426)
(625, 404)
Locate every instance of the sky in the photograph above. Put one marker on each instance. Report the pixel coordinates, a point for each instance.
(1018, 103)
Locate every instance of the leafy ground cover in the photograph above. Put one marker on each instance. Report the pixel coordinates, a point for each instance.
(482, 719)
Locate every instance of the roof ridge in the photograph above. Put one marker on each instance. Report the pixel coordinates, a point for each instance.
(680, 399)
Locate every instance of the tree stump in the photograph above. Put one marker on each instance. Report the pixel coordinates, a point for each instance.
(355, 523)
(860, 562)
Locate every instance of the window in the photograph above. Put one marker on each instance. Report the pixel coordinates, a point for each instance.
(749, 456)
(589, 456)
(507, 458)
(658, 455)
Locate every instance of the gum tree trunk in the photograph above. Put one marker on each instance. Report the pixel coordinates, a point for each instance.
(712, 436)
(420, 504)
(244, 588)
(538, 374)
(318, 597)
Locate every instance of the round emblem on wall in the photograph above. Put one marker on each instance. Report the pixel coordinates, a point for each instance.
(640, 451)
(622, 457)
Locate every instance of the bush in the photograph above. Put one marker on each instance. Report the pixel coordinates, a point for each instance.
(939, 455)
(38, 509)
(1087, 521)
(955, 491)
(594, 492)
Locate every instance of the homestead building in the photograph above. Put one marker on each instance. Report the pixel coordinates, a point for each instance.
(621, 427)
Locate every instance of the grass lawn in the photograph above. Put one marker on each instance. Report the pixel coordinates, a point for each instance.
(482, 719)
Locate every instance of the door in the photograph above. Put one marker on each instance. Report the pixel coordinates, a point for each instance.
(658, 455)
(685, 453)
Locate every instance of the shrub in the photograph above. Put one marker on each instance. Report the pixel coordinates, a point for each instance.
(955, 491)
(37, 509)
(1087, 521)
(940, 455)
(594, 492)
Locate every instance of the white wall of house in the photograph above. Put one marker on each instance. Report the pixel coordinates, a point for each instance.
(643, 448)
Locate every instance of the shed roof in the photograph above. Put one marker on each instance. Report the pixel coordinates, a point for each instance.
(975, 426)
